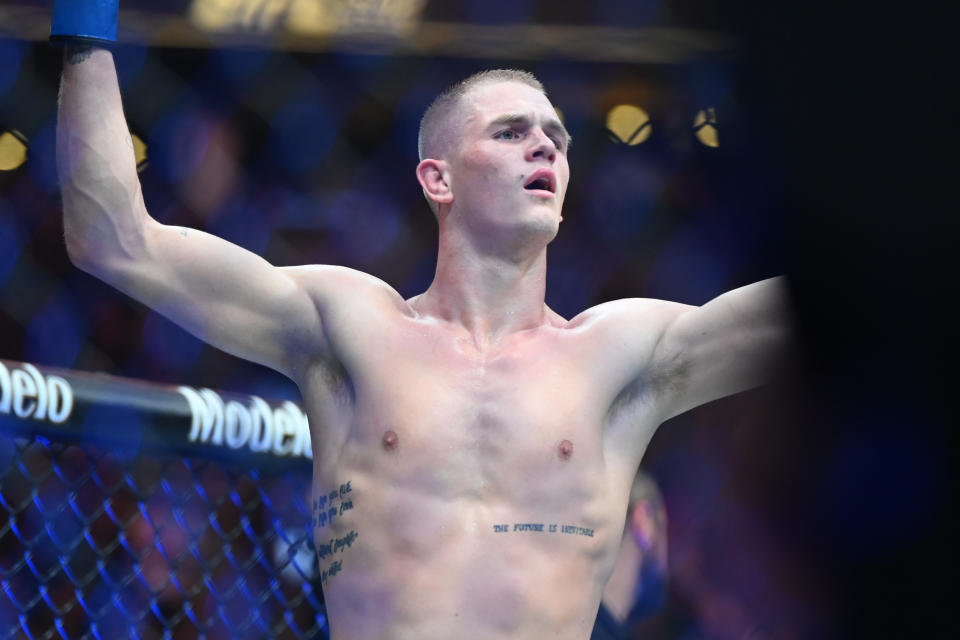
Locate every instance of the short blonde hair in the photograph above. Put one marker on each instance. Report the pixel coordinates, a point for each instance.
(434, 119)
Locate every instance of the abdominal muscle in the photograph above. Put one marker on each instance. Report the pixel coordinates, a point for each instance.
(490, 507)
(405, 561)
(420, 567)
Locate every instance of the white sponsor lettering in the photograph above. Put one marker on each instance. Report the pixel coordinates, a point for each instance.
(261, 436)
(27, 393)
(239, 424)
(283, 431)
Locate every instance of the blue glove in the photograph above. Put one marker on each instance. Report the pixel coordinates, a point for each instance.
(93, 21)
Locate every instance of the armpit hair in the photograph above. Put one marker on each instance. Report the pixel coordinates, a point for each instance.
(661, 379)
(338, 381)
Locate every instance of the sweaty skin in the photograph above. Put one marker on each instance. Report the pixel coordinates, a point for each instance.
(477, 439)
(473, 450)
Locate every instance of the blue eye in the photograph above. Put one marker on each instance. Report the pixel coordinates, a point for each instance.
(509, 134)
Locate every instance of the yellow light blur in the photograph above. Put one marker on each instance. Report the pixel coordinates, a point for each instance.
(312, 18)
(139, 151)
(705, 127)
(304, 17)
(246, 15)
(628, 124)
(13, 150)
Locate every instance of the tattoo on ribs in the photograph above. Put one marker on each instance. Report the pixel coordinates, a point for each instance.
(77, 53)
(326, 509)
(541, 527)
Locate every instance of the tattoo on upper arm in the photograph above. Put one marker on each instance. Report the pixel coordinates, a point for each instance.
(77, 53)
(326, 509)
(183, 232)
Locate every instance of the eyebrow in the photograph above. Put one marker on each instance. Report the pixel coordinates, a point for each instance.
(552, 124)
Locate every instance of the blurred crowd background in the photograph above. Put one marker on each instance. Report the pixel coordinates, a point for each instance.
(715, 144)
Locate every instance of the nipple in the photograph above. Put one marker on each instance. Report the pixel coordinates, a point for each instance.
(565, 450)
(390, 440)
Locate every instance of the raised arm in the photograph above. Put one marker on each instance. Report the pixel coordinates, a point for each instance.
(731, 344)
(219, 292)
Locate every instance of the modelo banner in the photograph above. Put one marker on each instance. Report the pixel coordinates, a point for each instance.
(132, 416)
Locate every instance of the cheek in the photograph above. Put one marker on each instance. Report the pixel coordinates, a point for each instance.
(478, 165)
(484, 175)
(565, 178)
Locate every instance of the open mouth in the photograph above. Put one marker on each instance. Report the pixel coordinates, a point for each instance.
(541, 180)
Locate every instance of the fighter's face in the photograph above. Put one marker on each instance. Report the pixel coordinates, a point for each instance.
(509, 167)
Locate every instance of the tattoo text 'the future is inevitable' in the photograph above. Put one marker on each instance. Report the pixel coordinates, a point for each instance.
(541, 527)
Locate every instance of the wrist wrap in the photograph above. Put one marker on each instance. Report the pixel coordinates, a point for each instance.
(92, 21)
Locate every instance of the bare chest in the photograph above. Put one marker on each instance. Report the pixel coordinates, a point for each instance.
(432, 416)
(456, 424)
(467, 473)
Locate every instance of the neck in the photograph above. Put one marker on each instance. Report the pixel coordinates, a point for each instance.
(489, 295)
(620, 593)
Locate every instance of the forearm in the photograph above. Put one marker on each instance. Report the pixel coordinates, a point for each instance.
(104, 215)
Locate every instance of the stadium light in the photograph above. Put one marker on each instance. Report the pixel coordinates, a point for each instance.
(13, 150)
(705, 127)
(139, 151)
(308, 17)
(628, 124)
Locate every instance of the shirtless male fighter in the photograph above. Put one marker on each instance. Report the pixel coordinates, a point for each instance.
(473, 450)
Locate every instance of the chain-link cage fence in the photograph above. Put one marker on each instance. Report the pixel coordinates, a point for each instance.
(105, 540)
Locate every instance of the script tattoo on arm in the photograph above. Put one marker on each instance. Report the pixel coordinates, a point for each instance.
(328, 508)
(544, 527)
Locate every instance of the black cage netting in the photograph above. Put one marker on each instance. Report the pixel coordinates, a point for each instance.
(93, 544)
(97, 541)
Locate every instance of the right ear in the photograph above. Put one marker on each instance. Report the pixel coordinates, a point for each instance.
(435, 180)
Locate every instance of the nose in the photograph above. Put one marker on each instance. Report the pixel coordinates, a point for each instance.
(541, 146)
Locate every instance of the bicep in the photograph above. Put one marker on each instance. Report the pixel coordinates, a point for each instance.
(728, 345)
(222, 294)
(627, 335)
